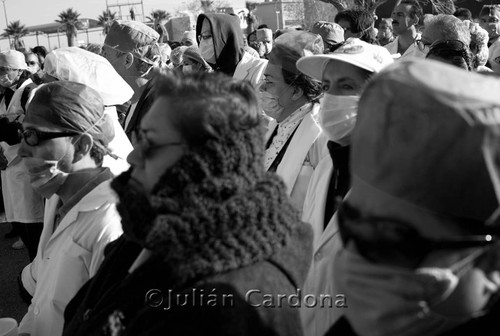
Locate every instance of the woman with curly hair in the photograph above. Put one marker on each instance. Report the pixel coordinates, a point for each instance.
(209, 236)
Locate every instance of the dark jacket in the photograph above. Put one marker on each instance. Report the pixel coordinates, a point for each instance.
(227, 39)
(139, 304)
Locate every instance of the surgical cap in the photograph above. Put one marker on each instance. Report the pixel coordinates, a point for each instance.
(82, 66)
(71, 107)
(415, 146)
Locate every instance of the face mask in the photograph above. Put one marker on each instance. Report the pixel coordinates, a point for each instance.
(389, 300)
(187, 68)
(5, 81)
(271, 105)
(46, 178)
(337, 117)
(207, 50)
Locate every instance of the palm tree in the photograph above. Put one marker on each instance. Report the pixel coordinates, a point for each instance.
(70, 24)
(16, 30)
(105, 20)
(158, 19)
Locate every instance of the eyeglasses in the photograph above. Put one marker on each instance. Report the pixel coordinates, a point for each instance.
(33, 137)
(4, 70)
(204, 37)
(141, 142)
(393, 241)
(421, 44)
(31, 63)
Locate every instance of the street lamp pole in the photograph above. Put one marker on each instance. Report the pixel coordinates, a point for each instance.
(6, 20)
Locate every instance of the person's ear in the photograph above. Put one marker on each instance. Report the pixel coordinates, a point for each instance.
(128, 60)
(83, 145)
(297, 93)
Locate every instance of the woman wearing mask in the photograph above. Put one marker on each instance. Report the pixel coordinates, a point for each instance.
(202, 220)
(221, 44)
(343, 75)
(294, 146)
(490, 21)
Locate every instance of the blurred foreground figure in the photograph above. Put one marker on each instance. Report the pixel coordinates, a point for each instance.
(419, 256)
(202, 220)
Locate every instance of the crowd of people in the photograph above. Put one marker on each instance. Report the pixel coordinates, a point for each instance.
(342, 180)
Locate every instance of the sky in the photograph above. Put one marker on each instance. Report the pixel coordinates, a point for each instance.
(35, 12)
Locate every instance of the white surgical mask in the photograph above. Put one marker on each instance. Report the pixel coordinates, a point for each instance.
(390, 300)
(271, 105)
(187, 68)
(46, 177)
(207, 50)
(337, 117)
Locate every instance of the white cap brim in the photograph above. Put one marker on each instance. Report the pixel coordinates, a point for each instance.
(313, 66)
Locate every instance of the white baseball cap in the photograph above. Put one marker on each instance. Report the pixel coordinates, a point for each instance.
(366, 56)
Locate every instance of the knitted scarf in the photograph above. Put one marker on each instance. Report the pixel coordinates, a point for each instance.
(213, 211)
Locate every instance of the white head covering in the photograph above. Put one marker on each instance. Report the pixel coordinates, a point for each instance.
(82, 66)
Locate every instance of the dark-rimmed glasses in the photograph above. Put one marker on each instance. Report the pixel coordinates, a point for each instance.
(33, 137)
(389, 240)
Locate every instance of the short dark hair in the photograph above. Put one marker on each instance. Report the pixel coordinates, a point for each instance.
(360, 19)
(415, 9)
(463, 12)
(207, 105)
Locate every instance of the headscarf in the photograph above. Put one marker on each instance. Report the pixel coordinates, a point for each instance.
(227, 39)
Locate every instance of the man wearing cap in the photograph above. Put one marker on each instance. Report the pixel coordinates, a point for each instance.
(331, 33)
(344, 74)
(66, 134)
(265, 40)
(189, 38)
(81, 66)
(294, 145)
(420, 254)
(132, 48)
(23, 206)
(405, 19)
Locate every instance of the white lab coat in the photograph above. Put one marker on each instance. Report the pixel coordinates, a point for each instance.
(120, 145)
(22, 203)
(68, 257)
(317, 320)
(304, 152)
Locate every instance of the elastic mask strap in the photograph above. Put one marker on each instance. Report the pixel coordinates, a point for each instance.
(106, 150)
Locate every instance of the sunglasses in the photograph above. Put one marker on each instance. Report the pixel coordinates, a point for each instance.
(450, 48)
(421, 44)
(33, 137)
(392, 241)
